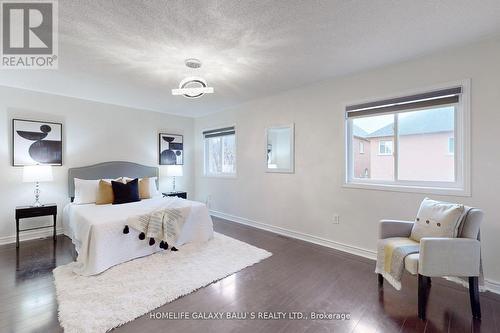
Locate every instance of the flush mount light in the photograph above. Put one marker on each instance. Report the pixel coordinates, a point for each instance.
(193, 87)
(193, 63)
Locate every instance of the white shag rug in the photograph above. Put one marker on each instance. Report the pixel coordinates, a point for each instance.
(127, 291)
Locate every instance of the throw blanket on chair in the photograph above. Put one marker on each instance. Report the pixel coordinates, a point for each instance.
(391, 258)
(164, 224)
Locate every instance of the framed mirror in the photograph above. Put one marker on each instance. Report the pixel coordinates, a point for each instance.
(280, 148)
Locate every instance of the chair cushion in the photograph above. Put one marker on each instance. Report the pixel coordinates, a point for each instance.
(411, 263)
(437, 219)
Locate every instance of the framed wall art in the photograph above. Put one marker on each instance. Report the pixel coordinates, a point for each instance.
(171, 149)
(36, 142)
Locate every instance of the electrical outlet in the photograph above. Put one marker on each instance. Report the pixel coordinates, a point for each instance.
(336, 219)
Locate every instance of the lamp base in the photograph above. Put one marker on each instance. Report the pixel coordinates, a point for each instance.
(37, 202)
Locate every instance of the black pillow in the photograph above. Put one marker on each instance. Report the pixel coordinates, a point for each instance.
(124, 193)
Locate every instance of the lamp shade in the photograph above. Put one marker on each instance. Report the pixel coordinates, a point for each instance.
(37, 173)
(174, 170)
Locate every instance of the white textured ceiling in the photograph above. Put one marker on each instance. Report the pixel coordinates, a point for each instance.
(131, 52)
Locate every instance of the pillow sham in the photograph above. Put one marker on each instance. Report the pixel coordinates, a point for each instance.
(105, 192)
(153, 189)
(85, 191)
(144, 188)
(88, 191)
(437, 219)
(125, 193)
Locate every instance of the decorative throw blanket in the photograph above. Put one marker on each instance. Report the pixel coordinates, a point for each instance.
(391, 253)
(164, 224)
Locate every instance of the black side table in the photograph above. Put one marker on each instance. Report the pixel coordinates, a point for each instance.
(24, 212)
(179, 194)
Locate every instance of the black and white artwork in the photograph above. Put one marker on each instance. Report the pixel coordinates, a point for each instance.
(171, 149)
(36, 142)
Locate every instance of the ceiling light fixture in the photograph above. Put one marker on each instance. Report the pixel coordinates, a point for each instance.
(193, 63)
(193, 87)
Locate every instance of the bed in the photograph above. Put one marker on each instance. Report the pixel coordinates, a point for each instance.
(97, 230)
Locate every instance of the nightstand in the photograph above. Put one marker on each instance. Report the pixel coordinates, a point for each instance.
(24, 212)
(179, 194)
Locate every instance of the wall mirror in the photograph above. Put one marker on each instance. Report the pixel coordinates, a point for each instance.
(280, 148)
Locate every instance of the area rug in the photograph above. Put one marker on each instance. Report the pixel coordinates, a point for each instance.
(127, 291)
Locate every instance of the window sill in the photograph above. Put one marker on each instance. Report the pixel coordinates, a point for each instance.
(221, 176)
(459, 192)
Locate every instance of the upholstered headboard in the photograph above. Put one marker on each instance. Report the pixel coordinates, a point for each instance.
(109, 170)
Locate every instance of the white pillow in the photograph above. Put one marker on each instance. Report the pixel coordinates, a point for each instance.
(153, 189)
(85, 191)
(437, 219)
(119, 179)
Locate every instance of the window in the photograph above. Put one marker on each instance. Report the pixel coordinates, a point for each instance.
(451, 145)
(361, 147)
(385, 147)
(220, 152)
(417, 143)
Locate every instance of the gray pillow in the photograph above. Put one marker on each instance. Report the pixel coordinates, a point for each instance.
(437, 219)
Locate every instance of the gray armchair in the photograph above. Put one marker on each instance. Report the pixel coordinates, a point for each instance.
(438, 257)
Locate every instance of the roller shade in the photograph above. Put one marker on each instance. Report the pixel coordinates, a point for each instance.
(219, 132)
(429, 99)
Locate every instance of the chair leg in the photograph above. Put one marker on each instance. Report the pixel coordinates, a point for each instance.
(422, 296)
(380, 279)
(474, 296)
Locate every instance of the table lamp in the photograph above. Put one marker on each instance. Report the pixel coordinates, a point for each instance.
(174, 171)
(36, 174)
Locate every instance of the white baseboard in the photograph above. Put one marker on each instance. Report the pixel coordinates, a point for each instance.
(299, 235)
(29, 235)
(492, 286)
(489, 285)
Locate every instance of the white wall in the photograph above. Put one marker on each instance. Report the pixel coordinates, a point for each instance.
(306, 201)
(92, 133)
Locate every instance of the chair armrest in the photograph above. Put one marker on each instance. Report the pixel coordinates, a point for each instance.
(449, 257)
(394, 228)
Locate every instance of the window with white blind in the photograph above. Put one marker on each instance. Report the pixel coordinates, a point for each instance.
(416, 143)
(220, 152)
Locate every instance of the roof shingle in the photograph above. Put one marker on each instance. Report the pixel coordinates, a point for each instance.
(417, 122)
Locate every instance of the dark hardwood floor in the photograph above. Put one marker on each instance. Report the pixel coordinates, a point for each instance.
(298, 277)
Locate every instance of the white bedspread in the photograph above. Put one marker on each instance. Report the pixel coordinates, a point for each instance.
(97, 231)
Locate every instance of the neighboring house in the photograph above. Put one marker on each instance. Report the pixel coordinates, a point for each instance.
(424, 138)
(362, 152)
